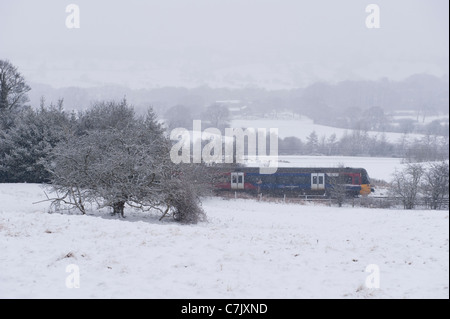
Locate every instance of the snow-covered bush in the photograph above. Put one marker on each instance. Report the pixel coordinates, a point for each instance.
(117, 159)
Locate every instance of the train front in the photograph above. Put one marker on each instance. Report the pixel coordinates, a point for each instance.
(366, 187)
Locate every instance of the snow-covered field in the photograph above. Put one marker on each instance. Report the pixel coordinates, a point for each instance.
(247, 249)
(419, 119)
(302, 128)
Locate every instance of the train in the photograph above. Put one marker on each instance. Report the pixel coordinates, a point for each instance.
(322, 181)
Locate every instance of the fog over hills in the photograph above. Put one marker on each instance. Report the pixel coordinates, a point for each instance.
(319, 59)
(417, 92)
(235, 44)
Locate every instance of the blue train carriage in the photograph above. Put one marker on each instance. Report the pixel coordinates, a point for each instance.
(298, 181)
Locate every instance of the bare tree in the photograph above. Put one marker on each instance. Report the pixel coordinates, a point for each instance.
(406, 184)
(13, 89)
(217, 115)
(108, 167)
(338, 182)
(435, 184)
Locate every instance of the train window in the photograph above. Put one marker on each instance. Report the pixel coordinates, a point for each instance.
(314, 180)
(250, 178)
(365, 179)
(303, 179)
(320, 179)
(240, 179)
(347, 179)
(294, 179)
(223, 179)
(233, 179)
(284, 179)
(269, 179)
(356, 180)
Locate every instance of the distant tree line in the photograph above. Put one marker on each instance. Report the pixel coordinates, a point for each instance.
(360, 143)
(430, 147)
(215, 115)
(356, 105)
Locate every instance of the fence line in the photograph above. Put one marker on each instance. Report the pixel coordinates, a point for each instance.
(364, 201)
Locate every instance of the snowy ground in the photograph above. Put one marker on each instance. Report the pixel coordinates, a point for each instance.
(247, 249)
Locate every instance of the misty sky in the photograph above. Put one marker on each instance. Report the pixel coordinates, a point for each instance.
(232, 43)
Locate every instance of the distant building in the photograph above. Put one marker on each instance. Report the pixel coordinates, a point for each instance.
(237, 108)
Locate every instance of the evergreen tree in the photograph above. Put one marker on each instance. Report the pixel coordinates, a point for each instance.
(24, 147)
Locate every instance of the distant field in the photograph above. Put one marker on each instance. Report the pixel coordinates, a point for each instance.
(302, 127)
(419, 119)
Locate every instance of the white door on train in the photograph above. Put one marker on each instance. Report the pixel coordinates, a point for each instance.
(317, 181)
(237, 180)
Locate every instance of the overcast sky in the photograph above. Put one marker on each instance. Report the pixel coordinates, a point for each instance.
(235, 43)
